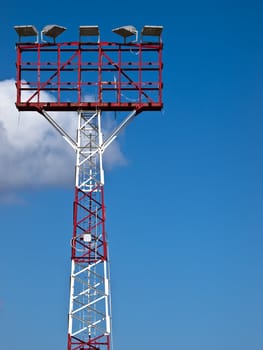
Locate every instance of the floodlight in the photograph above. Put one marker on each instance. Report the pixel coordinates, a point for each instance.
(27, 30)
(89, 31)
(52, 30)
(152, 31)
(126, 31)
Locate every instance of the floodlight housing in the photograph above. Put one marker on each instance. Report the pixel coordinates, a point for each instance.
(89, 31)
(126, 31)
(52, 30)
(26, 30)
(153, 31)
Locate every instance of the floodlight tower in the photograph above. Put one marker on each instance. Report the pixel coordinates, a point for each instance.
(91, 78)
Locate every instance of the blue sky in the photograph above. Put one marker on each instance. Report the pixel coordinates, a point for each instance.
(184, 214)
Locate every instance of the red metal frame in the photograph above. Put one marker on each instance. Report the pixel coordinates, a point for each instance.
(98, 343)
(86, 220)
(105, 76)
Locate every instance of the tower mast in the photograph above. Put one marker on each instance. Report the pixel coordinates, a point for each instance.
(126, 78)
(89, 309)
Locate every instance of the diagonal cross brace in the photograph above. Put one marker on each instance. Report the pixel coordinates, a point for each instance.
(126, 76)
(104, 145)
(62, 132)
(43, 85)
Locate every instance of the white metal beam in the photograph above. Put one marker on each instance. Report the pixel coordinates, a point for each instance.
(62, 132)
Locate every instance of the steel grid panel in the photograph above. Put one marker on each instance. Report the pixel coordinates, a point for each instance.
(89, 76)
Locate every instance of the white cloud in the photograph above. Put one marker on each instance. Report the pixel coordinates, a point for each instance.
(32, 153)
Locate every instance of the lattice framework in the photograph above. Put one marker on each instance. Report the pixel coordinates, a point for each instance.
(89, 311)
(90, 79)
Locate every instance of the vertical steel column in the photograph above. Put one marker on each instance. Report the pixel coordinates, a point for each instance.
(160, 78)
(89, 326)
(18, 73)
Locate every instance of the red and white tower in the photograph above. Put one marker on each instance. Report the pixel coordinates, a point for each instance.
(89, 77)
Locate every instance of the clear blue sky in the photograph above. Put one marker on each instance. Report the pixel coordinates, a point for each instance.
(184, 215)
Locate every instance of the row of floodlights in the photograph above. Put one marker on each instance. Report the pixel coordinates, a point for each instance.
(54, 30)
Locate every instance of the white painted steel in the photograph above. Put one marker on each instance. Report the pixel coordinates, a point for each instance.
(62, 132)
(71, 299)
(118, 129)
(90, 303)
(89, 314)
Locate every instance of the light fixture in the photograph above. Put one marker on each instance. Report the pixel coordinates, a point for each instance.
(52, 30)
(27, 30)
(89, 31)
(126, 31)
(153, 31)
(87, 238)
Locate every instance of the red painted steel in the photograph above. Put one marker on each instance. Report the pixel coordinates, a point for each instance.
(87, 220)
(98, 343)
(106, 76)
(75, 76)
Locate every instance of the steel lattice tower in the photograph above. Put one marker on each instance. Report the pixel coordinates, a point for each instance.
(126, 78)
(89, 310)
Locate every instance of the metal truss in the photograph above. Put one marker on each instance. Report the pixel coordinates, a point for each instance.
(89, 309)
(89, 321)
(89, 76)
